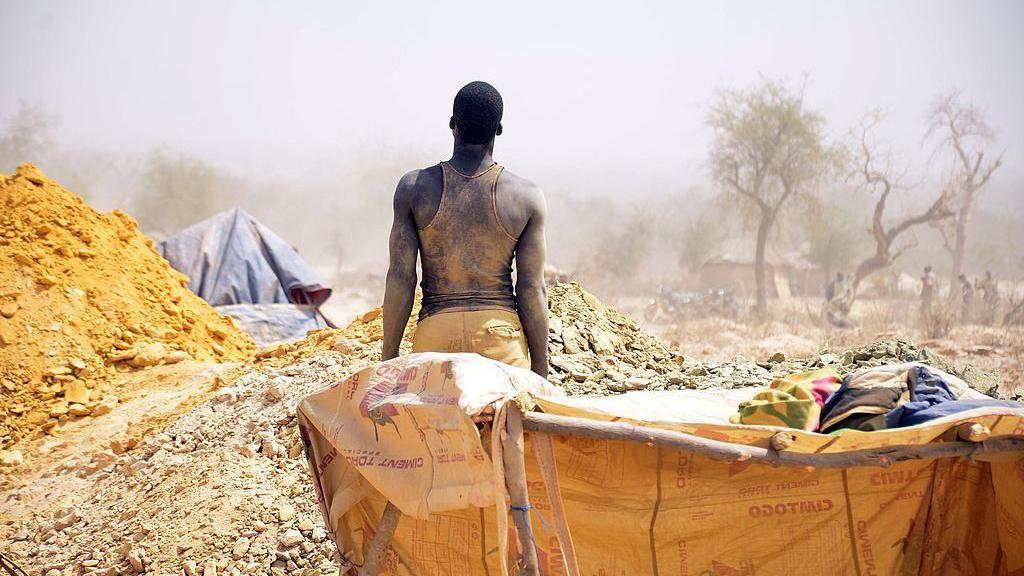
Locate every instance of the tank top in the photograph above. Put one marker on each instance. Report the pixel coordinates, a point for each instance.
(465, 251)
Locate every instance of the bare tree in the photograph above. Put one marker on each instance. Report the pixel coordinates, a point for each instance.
(875, 168)
(962, 129)
(767, 147)
(834, 247)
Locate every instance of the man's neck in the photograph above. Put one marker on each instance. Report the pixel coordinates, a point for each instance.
(472, 158)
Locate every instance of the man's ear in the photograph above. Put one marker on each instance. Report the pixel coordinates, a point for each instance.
(451, 123)
(498, 133)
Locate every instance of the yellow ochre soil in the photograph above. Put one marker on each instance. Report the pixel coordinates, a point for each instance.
(84, 295)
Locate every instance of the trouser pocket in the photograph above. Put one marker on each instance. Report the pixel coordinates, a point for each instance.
(504, 341)
(504, 330)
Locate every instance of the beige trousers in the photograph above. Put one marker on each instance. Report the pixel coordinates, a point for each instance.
(494, 334)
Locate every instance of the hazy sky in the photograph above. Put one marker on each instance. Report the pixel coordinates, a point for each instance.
(606, 90)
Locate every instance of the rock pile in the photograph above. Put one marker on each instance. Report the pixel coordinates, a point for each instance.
(223, 490)
(363, 338)
(595, 350)
(83, 294)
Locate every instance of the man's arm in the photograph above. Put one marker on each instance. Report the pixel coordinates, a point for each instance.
(400, 290)
(531, 295)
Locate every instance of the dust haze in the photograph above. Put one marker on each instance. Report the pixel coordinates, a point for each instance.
(307, 117)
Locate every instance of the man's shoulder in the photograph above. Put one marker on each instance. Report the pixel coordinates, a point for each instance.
(414, 182)
(421, 177)
(522, 189)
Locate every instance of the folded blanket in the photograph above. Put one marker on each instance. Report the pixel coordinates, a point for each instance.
(793, 402)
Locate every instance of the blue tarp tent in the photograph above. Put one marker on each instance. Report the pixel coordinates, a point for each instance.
(240, 266)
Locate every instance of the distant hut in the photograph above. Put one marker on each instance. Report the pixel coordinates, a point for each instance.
(788, 273)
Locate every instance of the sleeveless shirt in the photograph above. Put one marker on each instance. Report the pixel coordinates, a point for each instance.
(466, 252)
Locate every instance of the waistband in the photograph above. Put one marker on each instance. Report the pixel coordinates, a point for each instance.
(466, 304)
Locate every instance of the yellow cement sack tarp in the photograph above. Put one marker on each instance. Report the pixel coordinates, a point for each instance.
(404, 428)
(636, 509)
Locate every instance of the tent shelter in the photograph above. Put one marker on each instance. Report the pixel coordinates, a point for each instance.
(239, 265)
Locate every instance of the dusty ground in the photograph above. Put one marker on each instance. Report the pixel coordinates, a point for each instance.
(187, 474)
(796, 332)
(148, 401)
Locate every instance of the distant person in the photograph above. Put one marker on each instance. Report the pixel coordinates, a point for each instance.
(966, 299)
(838, 301)
(834, 287)
(846, 294)
(989, 289)
(469, 220)
(927, 294)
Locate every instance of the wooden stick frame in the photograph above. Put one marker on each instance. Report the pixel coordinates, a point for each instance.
(718, 450)
(515, 480)
(381, 541)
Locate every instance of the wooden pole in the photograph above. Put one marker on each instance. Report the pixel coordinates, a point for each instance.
(716, 449)
(381, 541)
(515, 480)
(781, 441)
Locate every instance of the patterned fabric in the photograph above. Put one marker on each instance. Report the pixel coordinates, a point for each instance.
(792, 402)
(871, 391)
(891, 396)
(823, 382)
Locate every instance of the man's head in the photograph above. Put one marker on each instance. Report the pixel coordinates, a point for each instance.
(476, 114)
(927, 268)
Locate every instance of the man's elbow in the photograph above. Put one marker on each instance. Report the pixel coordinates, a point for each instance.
(401, 278)
(527, 288)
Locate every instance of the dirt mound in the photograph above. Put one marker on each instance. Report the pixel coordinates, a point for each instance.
(224, 486)
(593, 349)
(83, 294)
(223, 489)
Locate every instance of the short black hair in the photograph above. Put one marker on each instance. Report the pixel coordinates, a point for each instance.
(477, 112)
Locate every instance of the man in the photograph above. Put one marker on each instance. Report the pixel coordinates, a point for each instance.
(468, 220)
(838, 299)
(990, 295)
(966, 299)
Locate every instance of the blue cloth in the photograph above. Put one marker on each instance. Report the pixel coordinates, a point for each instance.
(231, 258)
(931, 398)
(910, 417)
(269, 323)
